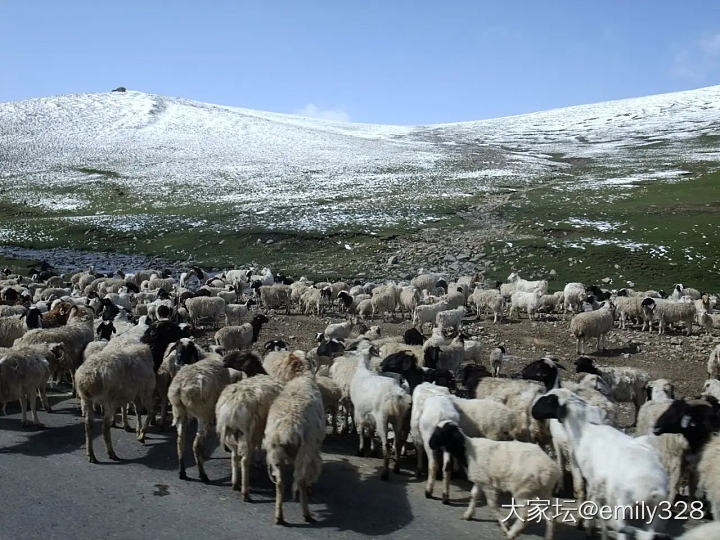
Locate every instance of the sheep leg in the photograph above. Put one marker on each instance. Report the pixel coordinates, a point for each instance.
(181, 424)
(361, 438)
(89, 417)
(447, 473)
(245, 465)
(72, 382)
(549, 528)
(107, 421)
(432, 474)
(302, 488)
(32, 396)
(382, 432)
(235, 468)
(44, 399)
(199, 448)
(148, 416)
(23, 408)
(519, 524)
(398, 444)
(279, 488)
(419, 451)
(124, 417)
(474, 496)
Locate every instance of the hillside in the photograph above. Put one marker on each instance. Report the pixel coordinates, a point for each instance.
(135, 172)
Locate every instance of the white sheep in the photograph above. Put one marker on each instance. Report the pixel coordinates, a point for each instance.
(286, 365)
(488, 300)
(420, 394)
(628, 308)
(435, 409)
(668, 312)
(331, 396)
(294, 434)
(364, 309)
(427, 282)
(241, 412)
(622, 384)
(240, 337)
(193, 393)
(528, 301)
(410, 299)
(342, 372)
(707, 470)
(384, 300)
(592, 324)
(711, 387)
(519, 395)
(521, 284)
(473, 351)
(235, 313)
(521, 469)
(427, 313)
(74, 336)
(111, 378)
(377, 402)
(450, 318)
(573, 296)
(455, 298)
(276, 297)
(497, 356)
(23, 373)
(14, 327)
(485, 418)
(10, 311)
(619, 470)
(203, 308)
(339, 330)
(673, 448)
(713, 364)
(311, 301)
(550, 303)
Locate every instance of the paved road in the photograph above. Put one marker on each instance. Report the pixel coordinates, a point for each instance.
(49, 490)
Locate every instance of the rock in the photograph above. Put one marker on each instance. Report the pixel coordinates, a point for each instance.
(394, 259)
(270, 241)
(120, 89)
(463, 257)
(606, 280)
(449, 258)
(676, 340)
(552, 273)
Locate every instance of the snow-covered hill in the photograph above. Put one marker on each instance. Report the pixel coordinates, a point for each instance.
(172, 156)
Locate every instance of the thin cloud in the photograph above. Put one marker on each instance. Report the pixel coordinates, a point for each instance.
(699, 60)
(711, 45)
(313, 111)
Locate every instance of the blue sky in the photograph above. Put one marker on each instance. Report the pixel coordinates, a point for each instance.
(368, 61)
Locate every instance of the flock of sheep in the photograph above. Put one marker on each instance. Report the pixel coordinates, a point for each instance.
(125, 343)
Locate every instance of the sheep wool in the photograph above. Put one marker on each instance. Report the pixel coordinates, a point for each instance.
(294, 433)
(592, 324)
(241, 412)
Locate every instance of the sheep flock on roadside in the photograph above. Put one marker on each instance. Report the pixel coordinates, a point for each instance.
(131, 343)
